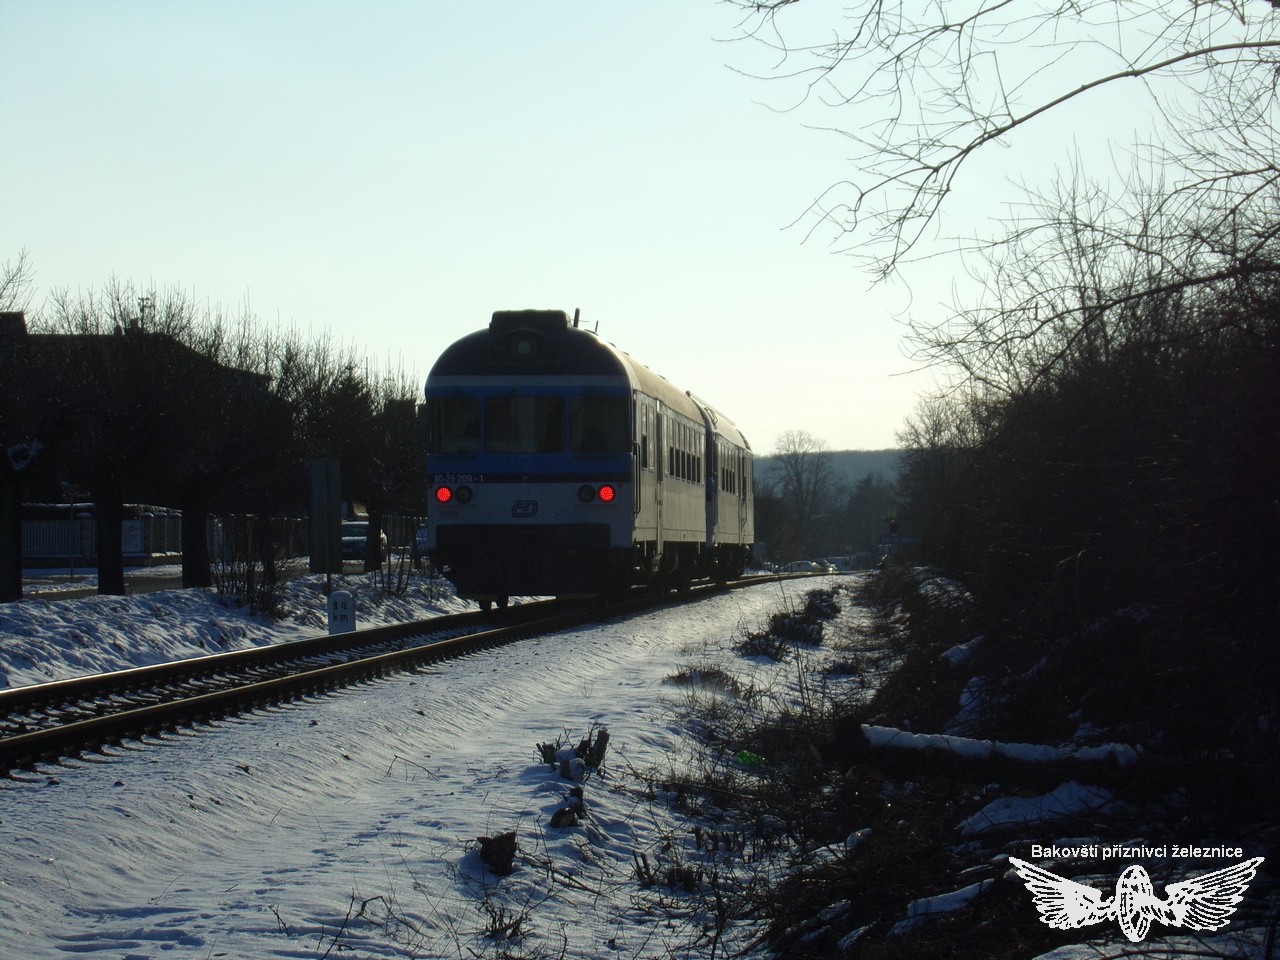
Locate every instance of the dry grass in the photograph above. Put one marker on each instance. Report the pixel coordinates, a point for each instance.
(834, 852)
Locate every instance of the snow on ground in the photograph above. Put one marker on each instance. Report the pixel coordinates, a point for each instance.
(1118, 753)
(928, 908)
(1068, 800)
(264, 836)
(346, 825)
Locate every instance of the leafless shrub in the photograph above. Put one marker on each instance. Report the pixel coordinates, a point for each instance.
(246, 565)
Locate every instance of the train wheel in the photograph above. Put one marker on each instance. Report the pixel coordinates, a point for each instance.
(485, 605)
(720, 572)
(683, 576)
(502, 602)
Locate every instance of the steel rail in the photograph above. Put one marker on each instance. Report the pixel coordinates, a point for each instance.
(39, 695)
(56, 741)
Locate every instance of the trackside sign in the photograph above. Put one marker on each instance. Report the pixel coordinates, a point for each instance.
(342, 612)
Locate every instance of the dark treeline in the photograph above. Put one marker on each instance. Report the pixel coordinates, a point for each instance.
(119, 396)
(1103, 477)
(814, 502)
(1100, 468)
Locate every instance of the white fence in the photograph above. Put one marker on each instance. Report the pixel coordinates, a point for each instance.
(73, 536)
(64, 533)
(49, 539)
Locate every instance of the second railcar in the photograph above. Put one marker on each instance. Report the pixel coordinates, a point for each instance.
(560, 466)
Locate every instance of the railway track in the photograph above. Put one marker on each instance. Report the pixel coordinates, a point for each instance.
(49, 721)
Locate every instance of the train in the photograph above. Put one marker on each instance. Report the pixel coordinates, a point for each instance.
(560, 466)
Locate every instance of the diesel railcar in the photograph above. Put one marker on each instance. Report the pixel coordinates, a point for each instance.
(560, 466)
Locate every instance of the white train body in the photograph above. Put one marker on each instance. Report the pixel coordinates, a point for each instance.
(559, 465)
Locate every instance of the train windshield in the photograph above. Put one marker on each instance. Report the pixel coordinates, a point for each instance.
(600, 424)
(524, 424)
(454, 424)
(529, 424)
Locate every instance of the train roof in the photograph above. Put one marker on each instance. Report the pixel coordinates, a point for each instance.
(722, 425)
(538, 343)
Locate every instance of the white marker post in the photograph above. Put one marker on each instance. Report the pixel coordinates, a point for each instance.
(342, 612)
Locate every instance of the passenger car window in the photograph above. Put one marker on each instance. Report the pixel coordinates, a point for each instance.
(524, 424)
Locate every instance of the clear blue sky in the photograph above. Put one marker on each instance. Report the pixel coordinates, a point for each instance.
(393, 171)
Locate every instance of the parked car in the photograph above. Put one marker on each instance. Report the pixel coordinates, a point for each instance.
(803, 566)
(355, 535)
(418, 550)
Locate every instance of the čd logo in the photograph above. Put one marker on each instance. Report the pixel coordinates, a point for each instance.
(1201, 903)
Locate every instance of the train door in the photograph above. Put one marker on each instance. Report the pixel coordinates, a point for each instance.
(711, 480)
(659, 457)
(638, 440)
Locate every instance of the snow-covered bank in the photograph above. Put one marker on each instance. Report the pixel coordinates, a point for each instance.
(43, 640)
(263, 836)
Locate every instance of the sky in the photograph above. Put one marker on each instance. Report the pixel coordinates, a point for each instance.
(390, 172)
(393, 172)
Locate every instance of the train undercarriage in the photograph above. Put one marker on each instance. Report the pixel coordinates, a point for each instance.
(490, 563)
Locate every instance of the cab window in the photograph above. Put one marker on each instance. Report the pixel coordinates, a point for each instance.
(600, 424)
(453, 424)
(524, 424)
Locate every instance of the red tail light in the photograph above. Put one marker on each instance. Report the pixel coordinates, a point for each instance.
(607, 493)
(443, 494)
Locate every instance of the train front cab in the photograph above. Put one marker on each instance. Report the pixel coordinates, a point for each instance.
(531, 488)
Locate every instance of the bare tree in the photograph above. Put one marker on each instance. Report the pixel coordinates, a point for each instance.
(16, 280)
(1107, 440)
(142, 409)
(148, 394)
(805, 481)
(396, 481)
(19, 444)
(1074, 283)
(925, 89)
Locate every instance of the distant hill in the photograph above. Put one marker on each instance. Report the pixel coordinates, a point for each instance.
(849, 466)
